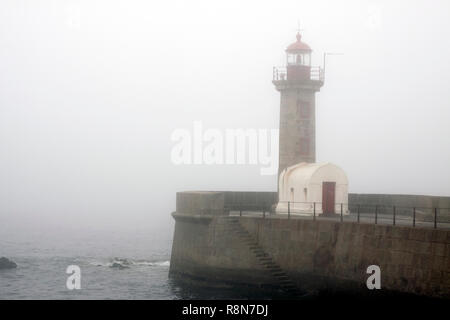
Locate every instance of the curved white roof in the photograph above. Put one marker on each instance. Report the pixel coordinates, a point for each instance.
(310, 173)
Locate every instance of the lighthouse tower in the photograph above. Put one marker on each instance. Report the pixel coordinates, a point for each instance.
(297, 83)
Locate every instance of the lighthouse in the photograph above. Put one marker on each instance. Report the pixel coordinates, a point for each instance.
(297, 83)
(304, 186)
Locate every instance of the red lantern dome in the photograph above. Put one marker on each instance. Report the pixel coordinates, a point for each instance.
(298, 46)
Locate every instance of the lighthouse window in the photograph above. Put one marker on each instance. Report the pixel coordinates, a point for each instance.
(306, 59)
(293, 58)
(300, 59)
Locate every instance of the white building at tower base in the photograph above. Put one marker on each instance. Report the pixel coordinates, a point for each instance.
(303, 184)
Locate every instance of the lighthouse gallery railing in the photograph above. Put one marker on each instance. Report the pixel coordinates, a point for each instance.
(280, 73)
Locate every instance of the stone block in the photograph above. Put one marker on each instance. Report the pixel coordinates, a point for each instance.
(418, 234)
(400, 232)
(438, 263)
(367, 229)
(438, 249)
(439, 235)
(200, 203)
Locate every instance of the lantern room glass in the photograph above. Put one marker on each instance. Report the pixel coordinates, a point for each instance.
(299, 59)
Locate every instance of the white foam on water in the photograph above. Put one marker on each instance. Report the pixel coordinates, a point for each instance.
(152, 263)
(127, 262)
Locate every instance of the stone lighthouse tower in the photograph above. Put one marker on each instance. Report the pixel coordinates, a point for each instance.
(297, 83)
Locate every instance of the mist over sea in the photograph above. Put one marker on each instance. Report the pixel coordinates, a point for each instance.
(43, 255)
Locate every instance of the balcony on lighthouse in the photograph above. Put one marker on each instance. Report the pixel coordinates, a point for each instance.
(298, 67)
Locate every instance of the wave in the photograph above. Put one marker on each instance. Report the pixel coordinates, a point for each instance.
(154, 263)
(126, 263)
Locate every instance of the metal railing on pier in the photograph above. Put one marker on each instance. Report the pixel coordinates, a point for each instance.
(433, 217)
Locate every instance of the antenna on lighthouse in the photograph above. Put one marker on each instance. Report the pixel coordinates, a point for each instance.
(299, 29)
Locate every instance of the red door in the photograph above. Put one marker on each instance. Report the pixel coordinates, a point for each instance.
(328, 190)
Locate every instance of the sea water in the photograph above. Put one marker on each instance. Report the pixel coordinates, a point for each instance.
(115, 263)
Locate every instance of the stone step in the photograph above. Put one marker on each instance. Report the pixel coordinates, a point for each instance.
(272, 264)
(278, 274)
(264, 259)
(272, 267)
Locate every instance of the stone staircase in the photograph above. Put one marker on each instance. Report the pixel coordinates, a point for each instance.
(264, 259)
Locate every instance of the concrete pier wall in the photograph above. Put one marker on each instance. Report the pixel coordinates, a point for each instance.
(336, 255)
(315, 254)
(205, 250)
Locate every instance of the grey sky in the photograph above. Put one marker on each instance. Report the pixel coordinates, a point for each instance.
(90, 92)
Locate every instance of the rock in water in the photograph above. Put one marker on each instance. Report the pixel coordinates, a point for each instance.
(123, 262)
(7, 264)
(119, 266)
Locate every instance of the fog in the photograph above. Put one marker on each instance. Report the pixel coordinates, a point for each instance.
(91, 91)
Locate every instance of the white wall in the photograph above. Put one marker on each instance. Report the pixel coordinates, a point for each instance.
(311, 177)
